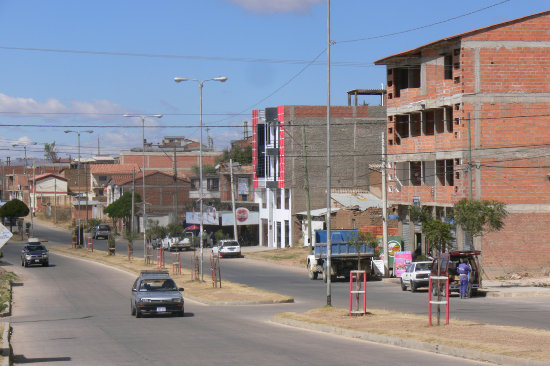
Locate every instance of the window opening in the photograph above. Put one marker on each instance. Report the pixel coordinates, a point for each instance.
(438, 120)
(430, 122)
(416, 173)
(428, 172)
(416, 125)
(402, 128)
(448, 66)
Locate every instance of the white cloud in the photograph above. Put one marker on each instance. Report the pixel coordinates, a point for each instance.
(18, 106)
(277, 6)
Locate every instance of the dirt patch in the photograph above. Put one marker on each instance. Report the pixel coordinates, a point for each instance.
(503, 340)
(295, 256)
(229, 292)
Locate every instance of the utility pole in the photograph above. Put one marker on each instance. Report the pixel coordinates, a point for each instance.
(133, 199)
(385, 210)
(470, 165)
(176, 214)
(306, 188)
(328, 270)
(55, 200)
(33, 206)
(235, 236)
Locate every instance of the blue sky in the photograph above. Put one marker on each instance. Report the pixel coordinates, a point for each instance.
(82, 64)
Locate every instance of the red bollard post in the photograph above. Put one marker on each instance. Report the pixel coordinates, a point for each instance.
(447, 299)
(430, 301)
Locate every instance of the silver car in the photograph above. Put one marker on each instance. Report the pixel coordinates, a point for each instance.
(155, 292)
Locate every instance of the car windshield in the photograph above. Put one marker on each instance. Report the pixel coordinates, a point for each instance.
(157, 285)
(33, 248)
(103, 227)
(229, 243)
(423, 266)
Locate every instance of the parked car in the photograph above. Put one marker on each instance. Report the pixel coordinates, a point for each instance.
(34, 252)
(417, 275)
(155, 292)
(101, 231)
(449, 265)
(227, 248)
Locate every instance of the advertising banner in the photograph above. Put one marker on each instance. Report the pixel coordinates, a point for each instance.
(244, 217)
(242, 186)
(401, 260)
(209, 217)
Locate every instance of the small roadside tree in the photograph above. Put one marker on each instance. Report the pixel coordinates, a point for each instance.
(121, 209)
(14, 209)
(478, 217)
(438, 235)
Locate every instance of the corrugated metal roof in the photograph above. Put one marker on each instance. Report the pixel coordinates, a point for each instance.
(360, 200)
(319, 211)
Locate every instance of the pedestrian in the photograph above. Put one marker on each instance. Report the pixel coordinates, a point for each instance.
(464, 271)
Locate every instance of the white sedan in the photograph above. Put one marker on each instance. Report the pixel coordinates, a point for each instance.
(417, 275)
(227, 248)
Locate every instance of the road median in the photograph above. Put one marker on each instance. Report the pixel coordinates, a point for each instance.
(502, 345)
(201, 291)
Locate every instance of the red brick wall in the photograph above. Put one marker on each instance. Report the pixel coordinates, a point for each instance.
(519, 246)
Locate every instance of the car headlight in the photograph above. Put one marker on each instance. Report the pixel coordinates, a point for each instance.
(145, 300)
(28, 256)
(44, 256)
(177, 299)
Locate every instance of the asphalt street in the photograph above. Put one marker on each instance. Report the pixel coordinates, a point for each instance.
(77, 312)
(517, 311)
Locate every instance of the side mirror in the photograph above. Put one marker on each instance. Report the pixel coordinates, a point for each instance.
(180, 289)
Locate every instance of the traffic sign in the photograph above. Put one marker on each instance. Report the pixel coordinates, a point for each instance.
(5, 235)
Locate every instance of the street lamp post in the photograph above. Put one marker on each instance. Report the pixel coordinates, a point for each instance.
(25, 144)
(78, 132)
(142, 118)
(201, 83)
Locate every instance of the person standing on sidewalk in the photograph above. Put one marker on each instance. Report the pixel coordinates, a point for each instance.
(463, 270)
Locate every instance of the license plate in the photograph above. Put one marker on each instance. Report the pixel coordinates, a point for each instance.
(161, 309)
(37, 260)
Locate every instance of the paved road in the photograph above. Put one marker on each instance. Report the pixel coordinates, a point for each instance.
(75, 312)
(519, 311)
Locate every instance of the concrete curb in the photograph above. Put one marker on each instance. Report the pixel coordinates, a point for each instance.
(6, 346)
(236, 303)
(412, 344)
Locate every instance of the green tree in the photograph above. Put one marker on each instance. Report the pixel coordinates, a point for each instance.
(206, 169)
(240, 155)
(14, 209)
(50, 152)
(478, 217)
(175, 230)
(363, 238)
(121, 209)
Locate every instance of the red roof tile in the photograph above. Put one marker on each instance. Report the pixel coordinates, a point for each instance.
(113, 168)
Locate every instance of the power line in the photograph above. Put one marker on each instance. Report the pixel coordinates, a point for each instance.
(423, 26)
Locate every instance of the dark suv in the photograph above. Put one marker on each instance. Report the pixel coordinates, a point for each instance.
(449, 265)
(156, 292)
(34, 252)
(101, 231)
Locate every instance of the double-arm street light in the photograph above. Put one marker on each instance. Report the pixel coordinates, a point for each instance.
(142, 117)
(78, 132)
(25, 144)
(201, 83)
